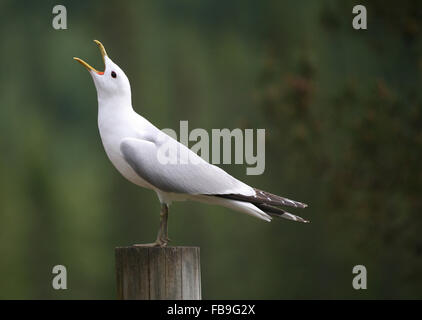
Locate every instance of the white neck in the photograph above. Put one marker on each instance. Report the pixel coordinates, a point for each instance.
(118, 101)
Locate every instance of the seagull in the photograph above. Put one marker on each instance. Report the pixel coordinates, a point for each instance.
(134, 146)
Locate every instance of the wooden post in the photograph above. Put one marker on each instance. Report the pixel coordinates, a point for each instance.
(172, 273)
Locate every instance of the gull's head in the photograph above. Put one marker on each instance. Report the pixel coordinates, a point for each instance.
(110, 83)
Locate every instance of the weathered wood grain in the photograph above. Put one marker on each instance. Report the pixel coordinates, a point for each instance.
(158, 273)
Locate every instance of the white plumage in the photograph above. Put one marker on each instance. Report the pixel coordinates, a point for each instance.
(135, 146)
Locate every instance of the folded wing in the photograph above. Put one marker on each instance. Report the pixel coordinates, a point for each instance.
(178, 170)
(172, 167)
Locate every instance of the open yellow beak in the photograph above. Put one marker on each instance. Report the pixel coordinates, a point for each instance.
(103, 54)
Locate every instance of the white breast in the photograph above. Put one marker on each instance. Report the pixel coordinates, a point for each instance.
(113, 128)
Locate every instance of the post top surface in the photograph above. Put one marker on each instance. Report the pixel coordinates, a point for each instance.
(156, 248)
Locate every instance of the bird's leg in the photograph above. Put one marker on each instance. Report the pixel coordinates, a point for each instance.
(165, 215)
(162, 236)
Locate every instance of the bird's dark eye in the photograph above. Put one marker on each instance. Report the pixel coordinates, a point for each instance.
(113, 74)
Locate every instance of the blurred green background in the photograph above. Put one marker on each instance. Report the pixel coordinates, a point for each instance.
(342, 113)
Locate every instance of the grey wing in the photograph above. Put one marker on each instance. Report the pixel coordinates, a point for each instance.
(176, 175)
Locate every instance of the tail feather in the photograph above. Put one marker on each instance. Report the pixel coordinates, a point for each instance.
(280, 213)
(264, 197)
(240, 206)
